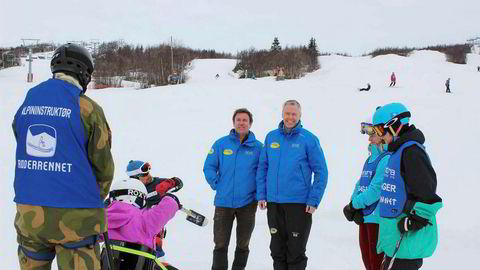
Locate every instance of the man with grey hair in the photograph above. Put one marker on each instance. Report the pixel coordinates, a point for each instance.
(284, 186)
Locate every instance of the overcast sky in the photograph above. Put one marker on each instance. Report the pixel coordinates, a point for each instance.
(351, 26)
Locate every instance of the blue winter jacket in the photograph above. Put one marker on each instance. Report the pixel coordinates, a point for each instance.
(230, 169)
(361, 200)
(286, 165)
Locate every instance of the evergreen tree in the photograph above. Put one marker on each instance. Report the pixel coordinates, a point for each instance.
(313, 55)
(276, 45)
(312, 47)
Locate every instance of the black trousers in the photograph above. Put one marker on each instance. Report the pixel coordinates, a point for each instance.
(402, 264)
(222, 229)
(289, 229)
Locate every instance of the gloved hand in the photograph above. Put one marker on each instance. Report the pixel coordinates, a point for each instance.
(175, 198)
(358, 217)
(353, 214)
(167, 184)
(412, 222)
(164, 186)
(349, 211)
(178, 184)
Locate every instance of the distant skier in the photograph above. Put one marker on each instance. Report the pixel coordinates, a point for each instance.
(366, 88)
(447, 85)
(217, 76)
(478, 68)
(393, 80)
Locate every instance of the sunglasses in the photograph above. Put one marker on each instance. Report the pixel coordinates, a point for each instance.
(366, 128)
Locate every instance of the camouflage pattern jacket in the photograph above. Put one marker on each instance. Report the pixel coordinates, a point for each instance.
(67, 224)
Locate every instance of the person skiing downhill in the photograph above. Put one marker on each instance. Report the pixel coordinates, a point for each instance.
(132, 227)
(363, 205)
(408, 200)
(64, 167)
(393, 79)
(447, 85)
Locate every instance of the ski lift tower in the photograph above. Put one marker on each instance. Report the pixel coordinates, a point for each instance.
(475, 43)
(29, 43)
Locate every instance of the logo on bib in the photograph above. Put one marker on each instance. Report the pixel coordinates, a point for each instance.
(41, 140)
(227, 152)
(211, 151)
(274, 145)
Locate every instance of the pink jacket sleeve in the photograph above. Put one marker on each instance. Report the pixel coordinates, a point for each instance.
(155, 218)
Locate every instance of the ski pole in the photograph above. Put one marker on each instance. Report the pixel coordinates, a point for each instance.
(111, 264)
(395, 252)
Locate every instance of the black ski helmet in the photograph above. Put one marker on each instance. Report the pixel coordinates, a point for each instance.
(73, 60)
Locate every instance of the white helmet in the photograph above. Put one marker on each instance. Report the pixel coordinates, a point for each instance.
(130, 191)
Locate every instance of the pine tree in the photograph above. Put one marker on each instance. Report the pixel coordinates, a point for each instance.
(312, 47)
(313, 55)
(276, 45)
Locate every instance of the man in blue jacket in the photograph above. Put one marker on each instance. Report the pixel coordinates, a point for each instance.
(230, 169)
(284, 179)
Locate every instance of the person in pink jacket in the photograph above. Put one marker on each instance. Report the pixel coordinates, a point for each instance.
(132, 228)
(393, 79)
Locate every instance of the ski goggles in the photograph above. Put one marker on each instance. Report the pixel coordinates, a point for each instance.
(144, 170)
(366, 128)
(393, 125)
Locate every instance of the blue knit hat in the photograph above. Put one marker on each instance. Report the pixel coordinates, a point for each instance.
(136, 167)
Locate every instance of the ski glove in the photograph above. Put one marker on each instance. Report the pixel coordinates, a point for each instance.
(412, 222)
(349, 211)
(167, 184)
(178, 184)
(175, 198)
(353, 214)
(358, 217)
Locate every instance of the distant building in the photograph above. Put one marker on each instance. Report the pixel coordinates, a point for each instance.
(9, 59)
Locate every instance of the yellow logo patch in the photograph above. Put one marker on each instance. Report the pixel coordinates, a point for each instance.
(227, 152)
(211, 151)
(274, 145)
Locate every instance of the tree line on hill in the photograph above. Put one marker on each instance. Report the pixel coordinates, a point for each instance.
(152, 65)
(10, 57)
(456, 53)
(290, 62)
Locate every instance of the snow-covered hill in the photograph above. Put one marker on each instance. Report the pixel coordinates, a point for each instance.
(174, 126)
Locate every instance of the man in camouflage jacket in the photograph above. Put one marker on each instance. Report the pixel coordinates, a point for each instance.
(64, 168)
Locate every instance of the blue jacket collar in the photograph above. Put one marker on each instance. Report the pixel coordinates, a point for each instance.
(250, 140)
(295, 130)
